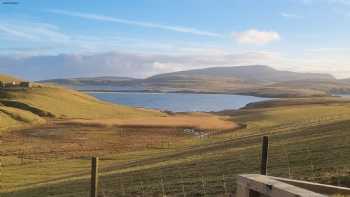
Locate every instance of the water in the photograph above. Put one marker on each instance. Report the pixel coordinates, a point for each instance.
(178, 102)
(342, 95)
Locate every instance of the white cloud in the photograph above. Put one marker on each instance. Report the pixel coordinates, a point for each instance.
(254, 36)
(166, 67)
(290, 16)
(5, 29)
(31, 32)
(180, 29)
(33, 38)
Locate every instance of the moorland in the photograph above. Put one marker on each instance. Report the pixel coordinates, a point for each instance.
(49, 134)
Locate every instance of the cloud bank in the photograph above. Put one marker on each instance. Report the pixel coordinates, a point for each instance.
(142, 65)
(257, 37)
(120, 64)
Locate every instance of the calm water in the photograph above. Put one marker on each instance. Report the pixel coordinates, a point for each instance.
(178, 102)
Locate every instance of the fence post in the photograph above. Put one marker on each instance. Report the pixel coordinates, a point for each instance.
(264, 155)
(94, 177)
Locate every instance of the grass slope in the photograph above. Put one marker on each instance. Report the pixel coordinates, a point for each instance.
(65, 103)
(34, 106)
(7, 78)
(11, 118)
(308, 141)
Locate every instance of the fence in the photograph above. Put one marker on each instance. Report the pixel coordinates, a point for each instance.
(209, 170)
(253, 185)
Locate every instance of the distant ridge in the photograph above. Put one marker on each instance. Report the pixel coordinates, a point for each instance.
(258, 80)
(103, 80)
(254, 73)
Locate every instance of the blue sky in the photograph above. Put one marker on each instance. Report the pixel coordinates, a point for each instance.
(140, 38)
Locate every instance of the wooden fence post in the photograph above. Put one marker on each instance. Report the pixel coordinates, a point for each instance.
(264, 155)
(94, 177)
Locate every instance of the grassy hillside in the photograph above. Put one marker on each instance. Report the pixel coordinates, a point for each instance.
(65, 103)
(327, 86)
(11, 118)
(28, 107)
(308, 141)
(7, 78)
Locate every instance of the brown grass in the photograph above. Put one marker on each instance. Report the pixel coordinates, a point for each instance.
(194, 120)
(83, 137)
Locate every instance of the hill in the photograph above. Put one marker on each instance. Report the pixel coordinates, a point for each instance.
(7, 78)
(60, 102)
(27, 107)
(249, 80)
(328, 86)
(104, 80)
(249, 74)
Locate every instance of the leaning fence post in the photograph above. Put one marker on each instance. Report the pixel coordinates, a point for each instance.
(94, 177)
(264, 155)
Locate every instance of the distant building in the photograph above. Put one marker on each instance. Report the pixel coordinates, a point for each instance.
(15, 85)
(25, 84)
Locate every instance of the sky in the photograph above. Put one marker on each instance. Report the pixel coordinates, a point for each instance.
(41, 39)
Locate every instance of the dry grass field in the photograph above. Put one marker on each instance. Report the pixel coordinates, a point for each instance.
(48, 125)
(307, 141)
(201, 121)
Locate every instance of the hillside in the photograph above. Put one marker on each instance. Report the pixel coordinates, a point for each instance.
(308, 141)
(40, 103)
(249, 80)
(12, 118)
(60, 102)
(7, 78)
(328, 86)
(34, 105)
(150, 153)
(249, 74)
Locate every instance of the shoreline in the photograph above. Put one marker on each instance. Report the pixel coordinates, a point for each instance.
(181, 92)
(186, 92)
